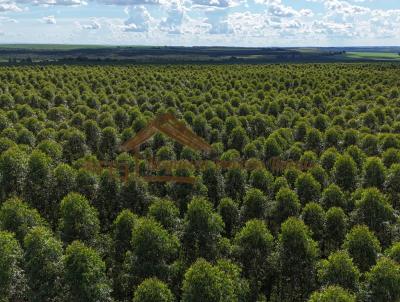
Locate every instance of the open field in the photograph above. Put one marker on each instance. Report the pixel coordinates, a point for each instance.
(374, 55)
(26, 53)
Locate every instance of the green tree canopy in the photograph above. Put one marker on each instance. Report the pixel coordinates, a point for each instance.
(153, 290)
(12, 278)
(362, 246)
(85, 274)
(202, 230)
(43, 265)
(78, 219)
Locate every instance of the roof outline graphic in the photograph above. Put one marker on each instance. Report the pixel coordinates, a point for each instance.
(169, 125)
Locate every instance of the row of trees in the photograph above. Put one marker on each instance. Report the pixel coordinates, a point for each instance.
(147, 255)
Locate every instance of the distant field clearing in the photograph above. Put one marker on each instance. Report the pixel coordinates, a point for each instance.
(373, 55)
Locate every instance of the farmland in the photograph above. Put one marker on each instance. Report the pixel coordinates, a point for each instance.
(374, 55)
(323, 222)
(96, 54)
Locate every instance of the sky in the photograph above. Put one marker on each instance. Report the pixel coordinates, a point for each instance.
(250, 23)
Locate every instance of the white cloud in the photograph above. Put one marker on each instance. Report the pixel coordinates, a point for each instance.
(139, 19)
(173, 22)
(216, 3)
(52, 2)
(131, 2)
(233, 22)
(9, 7)
(94, 24)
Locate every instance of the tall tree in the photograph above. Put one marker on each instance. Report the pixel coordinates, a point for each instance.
(308, 189)
(214, 181)
(253, 245)
(38, 184)
(153, 290)
(362, 246)
(254, 206)
(17, 217)
(297, 256)
(153, 250)
(345, 172)
(201, 230)
(374, 173)
(12, 277)
(85, 274)
(43, 265)
(78, 219)
(384, 281)
(340, 270)
(332, 294)
(204, 282)
(13, 168)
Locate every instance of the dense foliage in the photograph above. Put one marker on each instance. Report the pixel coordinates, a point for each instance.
(321, 225)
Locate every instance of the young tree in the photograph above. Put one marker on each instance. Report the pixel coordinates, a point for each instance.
(153, 250)
(314, 140)
(201, 231)
(235, 181)
(17, 217)
(335, 229)
(64, 182)
(122, 233)
(254, 205)
(228, 209)
(108, 201)
(286, 205)
(384, 281)
(271, 148)
(374, 211)
(214, 181)
(87, 183)
(12, 278)
(392, 185)
(38, 184)
(253, 245)
(108, 143)
(357, 155)
(314, 217)
(78, 220)
(134, 195)
(328, 158)
(339, 270)
(184, 192)
(374, 173)
(333, 196)
(297, 256)
(153, 290)
(85, 274)
(92, 134)
(13, 170)
(390, 157)
(362, 246)
(166, 213)
(43, 265)
(332, 294)
(394, 252)
(345, 172)
(238, 139)
(206, 283)
(262, 179)
(74, 146)
(308, 189)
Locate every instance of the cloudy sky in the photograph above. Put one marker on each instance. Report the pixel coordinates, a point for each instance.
(202, 22)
